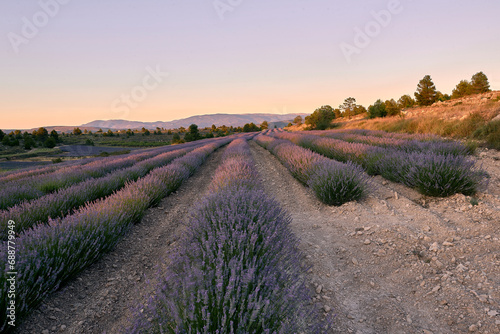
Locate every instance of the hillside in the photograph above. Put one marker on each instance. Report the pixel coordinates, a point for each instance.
(471, 117)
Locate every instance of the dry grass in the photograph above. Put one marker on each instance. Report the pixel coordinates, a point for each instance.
(471, 117)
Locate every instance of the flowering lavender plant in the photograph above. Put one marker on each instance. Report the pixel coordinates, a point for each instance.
(48, 255)
(238, 268)
(337, 183)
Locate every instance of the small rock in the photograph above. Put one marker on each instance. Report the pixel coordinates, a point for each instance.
(367, 242)
(384, 183)
(436, 288)
(492, 313)
(425, 331)
(63, 327)
(319, 289)
(327, 308)
(439, 264)
(448, 244)
(381, 253)
(396, 195)
(434, 247)
(483, 298)
(487, 237)
(426, 228)
(472, 328)
(354, 261)
(45, 331)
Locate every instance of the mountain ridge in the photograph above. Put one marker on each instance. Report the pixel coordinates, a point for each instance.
(201, 120)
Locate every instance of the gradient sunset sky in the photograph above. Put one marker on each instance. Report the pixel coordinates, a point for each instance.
(83, 57)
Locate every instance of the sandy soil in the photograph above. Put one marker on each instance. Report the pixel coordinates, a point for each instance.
(395, 262)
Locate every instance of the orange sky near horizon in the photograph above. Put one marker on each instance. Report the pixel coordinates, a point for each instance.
(279, 57)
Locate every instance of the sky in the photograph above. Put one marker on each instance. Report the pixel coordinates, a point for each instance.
(69, 62)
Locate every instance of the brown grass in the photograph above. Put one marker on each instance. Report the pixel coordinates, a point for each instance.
(471, 117)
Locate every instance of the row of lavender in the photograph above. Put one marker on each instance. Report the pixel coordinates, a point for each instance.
(50, 254)
(39, 170)
(238, 268)
(434, 173)
(333, 182)
(404, 142)
(61, 202)
(35, 186)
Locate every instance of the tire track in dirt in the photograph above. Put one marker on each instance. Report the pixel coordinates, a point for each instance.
(100, 299)
(391, 265)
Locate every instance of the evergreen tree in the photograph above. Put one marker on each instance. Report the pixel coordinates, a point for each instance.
(462, 89)
(426, 92)
(479, 83)
(54, 135)
(406, 101)
(193, 133)
(391, 107)
(378, 109)
(321, 118)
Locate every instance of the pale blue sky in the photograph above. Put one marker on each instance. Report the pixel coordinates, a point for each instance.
(263, 56)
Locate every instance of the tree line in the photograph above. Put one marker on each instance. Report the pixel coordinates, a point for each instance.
(426, 94)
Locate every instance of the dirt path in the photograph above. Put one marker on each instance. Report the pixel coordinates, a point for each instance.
(100, 299)
(397, 262)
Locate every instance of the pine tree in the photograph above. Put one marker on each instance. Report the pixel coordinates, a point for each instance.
(479, 83)
(426, 92)
(462, 89)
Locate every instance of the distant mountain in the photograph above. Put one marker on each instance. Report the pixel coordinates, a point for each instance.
(202, 121)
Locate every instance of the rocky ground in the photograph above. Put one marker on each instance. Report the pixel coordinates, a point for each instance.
(395, 262)
(398, 262)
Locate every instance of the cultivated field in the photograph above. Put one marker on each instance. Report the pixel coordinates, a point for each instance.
(335, 232)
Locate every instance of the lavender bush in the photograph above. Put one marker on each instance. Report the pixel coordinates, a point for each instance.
(433, 174)
(335, 183)
(36, 186)
(58, 204)
(238, 268)
(444, 170)
(48, 255)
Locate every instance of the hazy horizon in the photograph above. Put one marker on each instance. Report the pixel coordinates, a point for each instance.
(71, 62)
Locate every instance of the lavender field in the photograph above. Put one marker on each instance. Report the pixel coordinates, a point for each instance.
(239, 263)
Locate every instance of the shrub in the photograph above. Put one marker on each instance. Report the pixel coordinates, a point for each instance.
(491, 133)
(335, 183)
